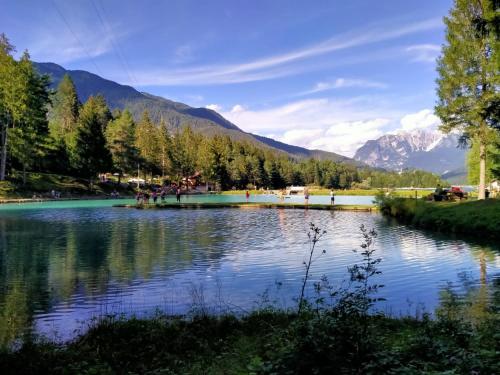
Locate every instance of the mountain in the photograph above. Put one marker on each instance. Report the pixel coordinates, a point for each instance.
(431, 151)
(203, 120)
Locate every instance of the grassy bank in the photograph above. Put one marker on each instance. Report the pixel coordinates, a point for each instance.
(41, 185)
(363, 192)
(473, 218)
(269, 342)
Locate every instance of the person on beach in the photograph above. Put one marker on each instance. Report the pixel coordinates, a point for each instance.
(138, 197)
(332, 197)
(162, 195)
(146, 198)
(247, 195)
(178, 195)
(306, 196)
(155, 196)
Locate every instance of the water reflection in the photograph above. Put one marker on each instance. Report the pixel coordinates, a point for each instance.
(62, 267)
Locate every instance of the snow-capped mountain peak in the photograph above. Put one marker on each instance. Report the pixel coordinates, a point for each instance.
(429, 150)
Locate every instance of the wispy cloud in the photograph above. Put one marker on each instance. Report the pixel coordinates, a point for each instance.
(75, 33)
(424, 52)
(280, 65)
(63, 48)
(343, 83)
(183, 53)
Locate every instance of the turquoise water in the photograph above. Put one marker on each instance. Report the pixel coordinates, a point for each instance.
(202, 198)
(64, 263)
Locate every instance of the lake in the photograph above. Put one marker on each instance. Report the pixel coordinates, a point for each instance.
(64, 263)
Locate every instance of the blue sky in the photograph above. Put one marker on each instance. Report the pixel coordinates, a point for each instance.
(321, 74)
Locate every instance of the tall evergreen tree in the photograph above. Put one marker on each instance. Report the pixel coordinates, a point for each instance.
(147, 143)
(164, 144)
(12, 104)
(90, 154)
(29, 134)
(63, 115)
(120, 136)
(468, 76)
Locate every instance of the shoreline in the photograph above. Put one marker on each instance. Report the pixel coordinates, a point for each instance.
(250, 205)
(43, 200)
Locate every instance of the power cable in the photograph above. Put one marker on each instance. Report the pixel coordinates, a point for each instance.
(115, 45)
(76, 37)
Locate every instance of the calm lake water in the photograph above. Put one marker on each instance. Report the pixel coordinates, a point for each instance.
(63, 263)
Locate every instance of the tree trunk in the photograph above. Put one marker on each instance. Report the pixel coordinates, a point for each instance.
(3, 156)
(482, 169)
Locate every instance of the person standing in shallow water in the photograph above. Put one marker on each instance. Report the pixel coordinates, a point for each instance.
(306, 196)
(332, 197)
(178, 195)
(247, 194)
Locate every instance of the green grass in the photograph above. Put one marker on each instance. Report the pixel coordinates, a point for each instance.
(472, 218)
(42, 184)
(267, 342)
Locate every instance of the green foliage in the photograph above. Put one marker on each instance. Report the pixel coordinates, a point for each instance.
(63, 115)
(475, 218)
(120, 137)
(492, 159)
(468, 75)
(89, 155)
(23, 108)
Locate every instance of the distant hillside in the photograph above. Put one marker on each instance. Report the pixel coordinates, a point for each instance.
(176, 114)
(431, 151)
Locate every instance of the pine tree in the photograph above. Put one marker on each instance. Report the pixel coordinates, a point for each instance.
(12, 104)
(90, 154)
(29, 135)
(63, 116)
(147, 143)
(164, 144)
(120, 136)
(469, 76)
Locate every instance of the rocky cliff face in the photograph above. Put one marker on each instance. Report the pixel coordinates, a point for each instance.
(432, 151)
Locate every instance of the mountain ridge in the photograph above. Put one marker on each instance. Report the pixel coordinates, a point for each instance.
(429, 150)
(176, 114)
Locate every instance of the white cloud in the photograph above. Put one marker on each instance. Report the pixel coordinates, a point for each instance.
(279, 65)
(333, 125)
(214, 107)
(238, 108)
(424, 119)
(343, 83)
(424, 52)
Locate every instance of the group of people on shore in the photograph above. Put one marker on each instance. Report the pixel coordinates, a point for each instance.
(143, 197)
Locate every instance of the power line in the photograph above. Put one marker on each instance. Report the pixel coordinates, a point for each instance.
(76, 37)
(115, 45)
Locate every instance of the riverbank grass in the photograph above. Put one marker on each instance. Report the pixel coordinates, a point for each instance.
(267, 342)
(41, 185)
(473, 218)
